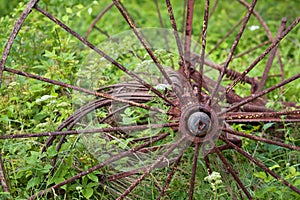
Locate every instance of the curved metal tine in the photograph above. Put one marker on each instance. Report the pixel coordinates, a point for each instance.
(138, 180)
(232, 49)
(163, 29)
(182, 66)
(99, 16)
(194, 170)
(233, 173)
(260, 94)
(13, 35)
(261, 165)
(141, 39)
(98, 166)
(203, 46)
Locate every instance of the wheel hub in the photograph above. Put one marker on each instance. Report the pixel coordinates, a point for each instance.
(199, 124)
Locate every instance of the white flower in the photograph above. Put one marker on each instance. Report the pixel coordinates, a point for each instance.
(253, 27)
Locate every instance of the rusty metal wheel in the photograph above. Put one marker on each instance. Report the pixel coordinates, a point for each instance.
(188, 117)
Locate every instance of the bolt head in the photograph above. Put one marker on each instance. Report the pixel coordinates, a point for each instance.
(199, 123)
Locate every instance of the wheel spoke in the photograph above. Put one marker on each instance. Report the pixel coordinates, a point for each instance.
(225, 37)
(108, 58)
(80, 89)
(100, 165)
(14, 34)
(171, 174)
(258, 59)
(141, 39)
(262, 93)
(178, 42)
(232, 49)
(188, 30)
(260, 139)
(164, 31)
(271, 58)
(77, 132)
(137, 181)
(3, 178)
(194, 168)
(261, 165)
(99, 16)
(203, 46)
(234, 175)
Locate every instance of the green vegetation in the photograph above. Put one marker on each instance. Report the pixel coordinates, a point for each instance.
(31, 106)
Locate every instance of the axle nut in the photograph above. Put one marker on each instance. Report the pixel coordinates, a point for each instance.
(198, 124)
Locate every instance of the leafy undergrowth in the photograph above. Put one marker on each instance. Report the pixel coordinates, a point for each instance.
(31, 106)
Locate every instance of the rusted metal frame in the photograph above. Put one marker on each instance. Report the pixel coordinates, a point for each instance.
(188, 32)
(3, 178)
(203, 46)
(194, 169)
(257, 95)
(182, 66)
(99, 16)
(80, 89)
(90, 131)
(138, 180)
(261, 165)
(271, 58)
(225, 37)
(258, 59)
(142, 40)
(232, 49)
(98, 51)
(260, 139)
(98, 166)
(171, 175)
(13, 34)
(233, 173)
